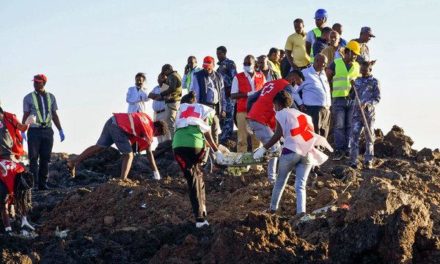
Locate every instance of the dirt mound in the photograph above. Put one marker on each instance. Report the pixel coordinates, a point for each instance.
(390, 214)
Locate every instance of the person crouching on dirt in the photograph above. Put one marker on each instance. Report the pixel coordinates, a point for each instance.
(192, 133)
(298, 151)
(368, 89)
(124, 130)
(15, 182)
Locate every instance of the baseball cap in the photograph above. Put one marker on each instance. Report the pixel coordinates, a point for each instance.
(40, 78)
(207, 61)
(367, 30)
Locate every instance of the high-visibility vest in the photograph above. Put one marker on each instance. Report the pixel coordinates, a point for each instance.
(244, 87)
(342, 78)
(138, 126)
(12, 169)
(262, 111)
(40, 121)
(317, 33)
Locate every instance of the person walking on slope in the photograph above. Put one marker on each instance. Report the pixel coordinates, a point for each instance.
(189, 144)
(124, 130)
(298, 152)
(340, 73)
(368, 89)
(261, 116)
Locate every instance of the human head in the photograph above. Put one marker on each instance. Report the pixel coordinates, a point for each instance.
(40, 81)
(249, 64)
(334, 39)
(366, 34)
(290, 78)
(298, 24)
(282, 100)
(140, 79)
(262, 63)
(221, 53)
(192, 62)
(320, 62)
(352, 50)
(161, 79)
(282, 55)
(167, 69)
(274, 54)
(325, 34)
(160, 128)
(298, 77)
(338, 28)
(320, 18)
(189, 98)
(366, 68)
(208, 64)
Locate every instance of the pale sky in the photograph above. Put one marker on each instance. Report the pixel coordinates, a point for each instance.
(91, 50)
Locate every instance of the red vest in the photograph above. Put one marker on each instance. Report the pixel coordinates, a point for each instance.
(262, 111)
(244, 87)
(13, 169)
(17, 140)
(138, 126)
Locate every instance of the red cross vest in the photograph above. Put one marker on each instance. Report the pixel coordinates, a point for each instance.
(244, 87)
(11, 125)
(262, 111)
(8, 179)
(138, 126)
(194, 115)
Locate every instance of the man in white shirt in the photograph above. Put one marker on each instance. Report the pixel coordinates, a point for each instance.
(159, 106)
(316, 98)
(245, 84)
(137, 95)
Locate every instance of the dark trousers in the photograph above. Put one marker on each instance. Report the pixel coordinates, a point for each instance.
(321, 119)
(189, 160)
(40, 143)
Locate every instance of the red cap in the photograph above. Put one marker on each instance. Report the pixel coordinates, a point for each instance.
(40, 78)
(207, 61)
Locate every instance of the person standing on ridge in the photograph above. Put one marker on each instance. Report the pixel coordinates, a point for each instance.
(321, 17)
(296, 47)
(137, 95)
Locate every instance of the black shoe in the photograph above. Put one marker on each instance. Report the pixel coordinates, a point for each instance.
(338, 155)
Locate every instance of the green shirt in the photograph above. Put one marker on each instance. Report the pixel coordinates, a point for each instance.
(190, 137)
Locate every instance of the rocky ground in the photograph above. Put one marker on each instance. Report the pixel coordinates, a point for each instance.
(390, 214)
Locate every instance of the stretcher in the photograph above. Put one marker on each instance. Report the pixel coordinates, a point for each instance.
(236, 163)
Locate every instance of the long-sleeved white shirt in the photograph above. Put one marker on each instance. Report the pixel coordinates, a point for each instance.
(136, 99)
(315, 89)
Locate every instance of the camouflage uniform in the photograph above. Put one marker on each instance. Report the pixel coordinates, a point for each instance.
(369, 95)
(227, 70)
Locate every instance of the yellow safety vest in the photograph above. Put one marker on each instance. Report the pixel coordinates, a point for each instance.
(342, 78)
(317, 33)
(40, 121)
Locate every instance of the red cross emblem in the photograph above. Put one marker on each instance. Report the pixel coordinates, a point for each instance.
(189, 112)
(303, 129)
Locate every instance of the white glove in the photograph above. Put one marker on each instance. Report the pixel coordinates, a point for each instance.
(250, 93)
(156, 175)
(218, 156)
(259, 153)
(30, 120)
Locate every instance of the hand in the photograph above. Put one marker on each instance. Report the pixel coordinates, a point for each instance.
(259, 153)
(302, 108)
(62, 136)
(30, 120)
(23, 135)
(156, 175)
(218, 156)
(223, 114)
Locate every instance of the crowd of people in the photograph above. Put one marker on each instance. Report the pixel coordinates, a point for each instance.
(285, 102)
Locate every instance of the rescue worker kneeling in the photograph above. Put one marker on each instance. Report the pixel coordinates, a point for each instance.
(124, 130)
(15, 194)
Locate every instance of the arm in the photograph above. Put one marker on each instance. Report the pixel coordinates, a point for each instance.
(308, 47)
(25, 116)
(210, 141)
(172, 83)
(132, 96)
(290, 58)
(296, 95)
(151, 160)
(144, 95)
(235, 91)
(155, 96)
(376, 94)
(56, 120)
(222, 94)
(275, 138)
(195, 87)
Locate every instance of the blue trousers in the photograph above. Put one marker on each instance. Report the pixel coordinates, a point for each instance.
(342, 111)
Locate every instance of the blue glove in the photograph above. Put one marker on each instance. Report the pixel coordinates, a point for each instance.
(62, 136)
(23, 135)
